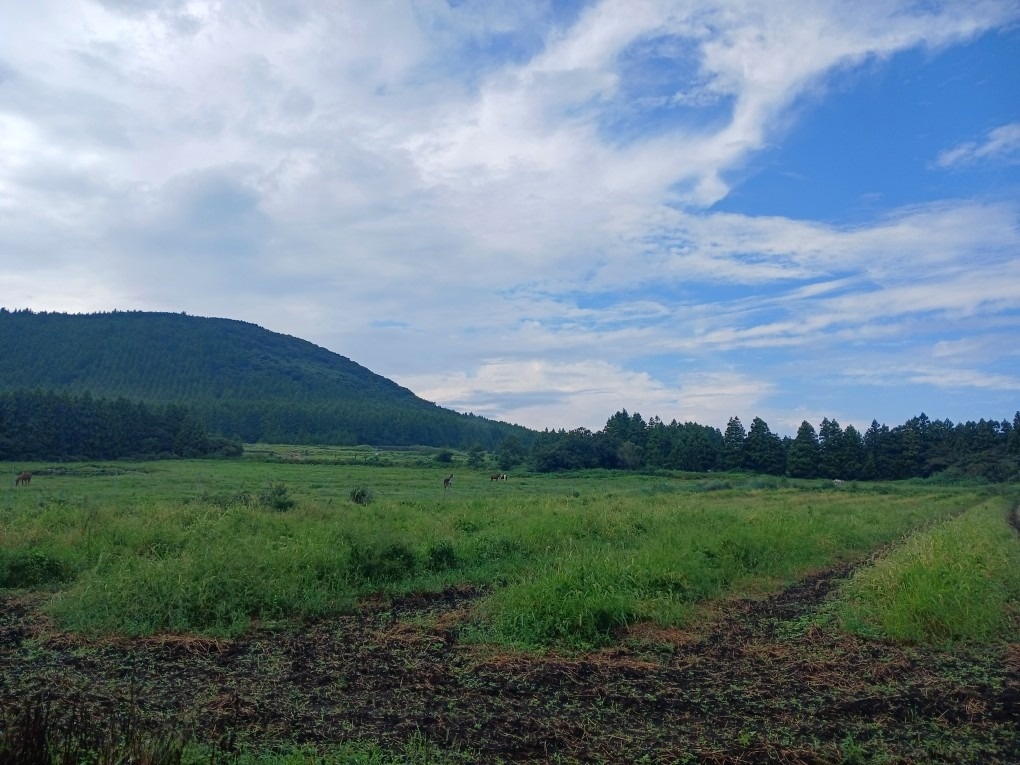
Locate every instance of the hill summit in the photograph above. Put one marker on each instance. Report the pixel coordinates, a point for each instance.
(238, 378)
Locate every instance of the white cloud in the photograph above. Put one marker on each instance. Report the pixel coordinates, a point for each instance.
(1000, 145)
(543, 393)
(445, 194)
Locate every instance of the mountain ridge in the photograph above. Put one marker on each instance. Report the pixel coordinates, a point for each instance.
(238, 377)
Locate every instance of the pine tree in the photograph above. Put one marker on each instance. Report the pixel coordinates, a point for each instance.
(830, 445)
(734, 445)
(764, 452)
(802, 459)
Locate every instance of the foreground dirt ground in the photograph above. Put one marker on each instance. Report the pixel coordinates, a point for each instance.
(759, 683)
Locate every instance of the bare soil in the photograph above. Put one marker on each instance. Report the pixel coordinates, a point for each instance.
(762, 681)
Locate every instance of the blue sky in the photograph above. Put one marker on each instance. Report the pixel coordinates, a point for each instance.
(542, 212)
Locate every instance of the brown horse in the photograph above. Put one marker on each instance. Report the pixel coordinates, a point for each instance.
(25, 478)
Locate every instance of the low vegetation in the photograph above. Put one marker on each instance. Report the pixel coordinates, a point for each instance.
(275, 601)
(568, 561)
(959, 580)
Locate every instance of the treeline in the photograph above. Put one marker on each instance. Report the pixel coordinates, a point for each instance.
(919, 448)
(59, 426)
(353, 422)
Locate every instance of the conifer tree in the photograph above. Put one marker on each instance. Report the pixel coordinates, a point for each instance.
(802, 460)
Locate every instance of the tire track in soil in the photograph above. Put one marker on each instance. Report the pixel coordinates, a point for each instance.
(755, 685)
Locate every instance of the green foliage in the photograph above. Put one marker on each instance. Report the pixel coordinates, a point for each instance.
(510, 453)
(386, 563)
(802, 458)
(275, 497)
(51, 426)
(957, 581)
(30, 568)
(763, 452)
(34, 735)
(361, 495)
(441, 556)
(476, 456)
(920, 448)
(578, 603)
(734, 445)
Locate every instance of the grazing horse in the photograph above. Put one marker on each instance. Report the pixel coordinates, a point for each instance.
(497, 477)
(25, 478)
(447, 481)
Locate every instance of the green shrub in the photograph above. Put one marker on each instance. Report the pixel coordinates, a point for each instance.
(713, 485)
(441, 556)
(579, 604)
(29, 568)
(34, 735)
(361, 495)
(389, 563)
(275, 497)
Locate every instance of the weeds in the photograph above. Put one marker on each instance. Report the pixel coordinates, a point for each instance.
(30, 568)
(361, 495)
(276, 497)
(34, 736)
(957, 581)
(390, 563)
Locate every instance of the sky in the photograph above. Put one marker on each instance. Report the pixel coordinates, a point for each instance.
(542, 211)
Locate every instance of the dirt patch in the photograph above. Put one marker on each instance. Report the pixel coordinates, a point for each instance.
(762, 682)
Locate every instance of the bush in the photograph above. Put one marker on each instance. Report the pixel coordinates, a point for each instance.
(442, 556)
(713, 485)
(275, 497)
(361, 495)
(391, 563)
(30, 569)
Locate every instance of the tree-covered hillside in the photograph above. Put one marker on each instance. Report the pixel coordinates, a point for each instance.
(238, 378)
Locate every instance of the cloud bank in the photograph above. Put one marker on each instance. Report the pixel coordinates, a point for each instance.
(513, 208)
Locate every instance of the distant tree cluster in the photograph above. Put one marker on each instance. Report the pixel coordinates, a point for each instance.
(367, 421)
(59, 426)
(920, 447)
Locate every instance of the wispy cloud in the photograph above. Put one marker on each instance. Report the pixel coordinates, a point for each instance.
(1000, 145)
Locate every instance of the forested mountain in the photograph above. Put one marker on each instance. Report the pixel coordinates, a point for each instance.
(237, 378)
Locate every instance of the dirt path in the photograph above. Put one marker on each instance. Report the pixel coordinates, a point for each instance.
(759, 684)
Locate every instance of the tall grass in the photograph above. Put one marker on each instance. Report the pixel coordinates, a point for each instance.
(190, 547)
(957, 581)
(657, 558)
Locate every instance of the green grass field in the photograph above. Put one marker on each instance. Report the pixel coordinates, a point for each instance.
(210, 547)
(290, 548)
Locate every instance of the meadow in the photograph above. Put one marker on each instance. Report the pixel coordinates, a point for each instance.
(569, 565)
